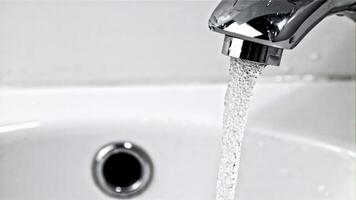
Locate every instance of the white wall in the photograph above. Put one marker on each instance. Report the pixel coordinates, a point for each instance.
(78, 42)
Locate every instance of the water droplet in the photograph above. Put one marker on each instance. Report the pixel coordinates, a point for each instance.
(314, 56)
(269, 2)
(321, 188)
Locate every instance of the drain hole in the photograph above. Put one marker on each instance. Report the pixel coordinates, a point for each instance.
(122, 170)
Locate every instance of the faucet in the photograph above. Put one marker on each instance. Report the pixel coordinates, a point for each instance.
(259, 30)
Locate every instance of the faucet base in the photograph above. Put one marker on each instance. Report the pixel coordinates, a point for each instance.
(251, 51)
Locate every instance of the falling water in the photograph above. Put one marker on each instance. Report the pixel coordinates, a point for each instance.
(243, 77)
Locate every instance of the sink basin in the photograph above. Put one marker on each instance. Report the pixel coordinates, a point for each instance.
(299, 142)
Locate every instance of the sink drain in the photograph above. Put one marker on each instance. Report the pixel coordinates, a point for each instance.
(122, 169)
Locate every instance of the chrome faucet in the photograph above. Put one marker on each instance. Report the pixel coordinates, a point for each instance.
(259, 30)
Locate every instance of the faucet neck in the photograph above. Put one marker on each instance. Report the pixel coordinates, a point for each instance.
(268, 26)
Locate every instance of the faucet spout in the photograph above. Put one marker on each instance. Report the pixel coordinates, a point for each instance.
(259, 30)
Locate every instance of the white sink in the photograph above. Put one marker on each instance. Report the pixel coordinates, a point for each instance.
(299, 142)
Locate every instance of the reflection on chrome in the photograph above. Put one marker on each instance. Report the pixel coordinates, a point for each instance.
(265, 28)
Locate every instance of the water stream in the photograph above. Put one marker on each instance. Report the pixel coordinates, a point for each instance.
(243, 77)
